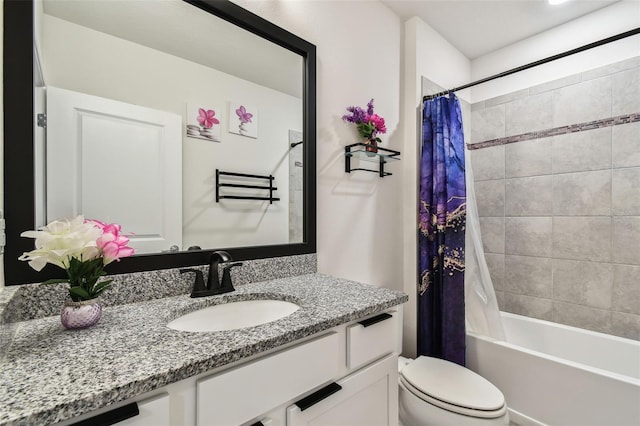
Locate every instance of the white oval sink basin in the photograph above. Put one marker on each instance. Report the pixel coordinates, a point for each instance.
(234, 315)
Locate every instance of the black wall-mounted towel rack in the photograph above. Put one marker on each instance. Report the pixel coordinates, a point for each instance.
(219, 184)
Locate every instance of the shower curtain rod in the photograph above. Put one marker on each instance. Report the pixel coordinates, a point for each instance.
(539, 62)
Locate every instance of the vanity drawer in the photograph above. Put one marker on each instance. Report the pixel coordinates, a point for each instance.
(238, 395)
(155, 411)
(367, 397)
(372, 338)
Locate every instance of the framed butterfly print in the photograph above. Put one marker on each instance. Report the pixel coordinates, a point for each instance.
(243, 120)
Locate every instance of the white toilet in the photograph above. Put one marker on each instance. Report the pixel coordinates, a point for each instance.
(438, 392)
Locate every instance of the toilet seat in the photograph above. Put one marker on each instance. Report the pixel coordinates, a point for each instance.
(453, 388)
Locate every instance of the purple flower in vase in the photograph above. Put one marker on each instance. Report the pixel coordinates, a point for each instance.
(370, 107)
(368, 123)
(358, 115)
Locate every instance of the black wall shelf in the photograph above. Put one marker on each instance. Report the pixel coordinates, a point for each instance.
(220, 176)
(359, 150)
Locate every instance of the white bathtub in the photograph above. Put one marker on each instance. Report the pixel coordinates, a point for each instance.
(552, 374)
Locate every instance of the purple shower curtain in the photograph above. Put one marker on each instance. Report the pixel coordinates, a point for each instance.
(441, 322)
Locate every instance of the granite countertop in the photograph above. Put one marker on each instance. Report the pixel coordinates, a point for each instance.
(49, 374)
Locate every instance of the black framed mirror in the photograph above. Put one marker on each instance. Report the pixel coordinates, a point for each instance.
(19, 150)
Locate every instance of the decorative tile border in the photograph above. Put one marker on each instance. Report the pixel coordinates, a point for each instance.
(562, 130)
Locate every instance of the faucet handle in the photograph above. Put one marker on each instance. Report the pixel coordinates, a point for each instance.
(198, 285)
(231, 265)
(226, 275)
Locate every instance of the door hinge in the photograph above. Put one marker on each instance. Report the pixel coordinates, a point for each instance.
(42, 120)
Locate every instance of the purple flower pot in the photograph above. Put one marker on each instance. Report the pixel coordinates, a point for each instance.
(81, 314)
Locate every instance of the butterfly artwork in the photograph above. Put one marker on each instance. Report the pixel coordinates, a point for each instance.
(203, 122)
(243, 120)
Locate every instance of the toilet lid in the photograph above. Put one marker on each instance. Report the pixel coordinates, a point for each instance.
(453, 384)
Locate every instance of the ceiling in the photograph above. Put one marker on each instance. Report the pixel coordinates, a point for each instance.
(179, 29)
(477, 27)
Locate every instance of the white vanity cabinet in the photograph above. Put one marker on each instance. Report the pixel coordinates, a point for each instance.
(347, 375)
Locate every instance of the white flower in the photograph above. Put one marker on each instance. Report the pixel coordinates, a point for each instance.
(61, 240)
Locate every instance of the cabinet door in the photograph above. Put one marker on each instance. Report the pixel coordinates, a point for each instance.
(368, 397)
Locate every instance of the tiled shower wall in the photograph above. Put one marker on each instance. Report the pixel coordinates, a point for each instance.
(560, 215)
(295, 188)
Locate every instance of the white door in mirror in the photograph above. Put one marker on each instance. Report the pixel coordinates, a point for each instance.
(115, 162)
(234, 315)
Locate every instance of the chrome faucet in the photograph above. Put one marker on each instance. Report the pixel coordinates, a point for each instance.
(213, 285)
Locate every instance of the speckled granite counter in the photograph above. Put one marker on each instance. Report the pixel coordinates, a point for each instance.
(49, 374)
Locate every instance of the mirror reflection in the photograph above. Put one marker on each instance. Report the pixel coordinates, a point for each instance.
(144, 102)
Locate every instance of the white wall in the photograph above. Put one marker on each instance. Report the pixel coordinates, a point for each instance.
(359, 214)
(615, 19)
(136, 74)
(427, 54)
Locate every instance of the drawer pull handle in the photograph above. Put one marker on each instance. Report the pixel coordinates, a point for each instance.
(318, 396)
(374, 320)
(111, 417)
(264, 422)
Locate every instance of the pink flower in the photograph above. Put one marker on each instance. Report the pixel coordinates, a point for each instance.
(206, 118)
(378, 122)
(97, 223)
(112, 244)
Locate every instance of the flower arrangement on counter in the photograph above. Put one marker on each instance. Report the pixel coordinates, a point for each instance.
(368, 123)
(81, 247)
